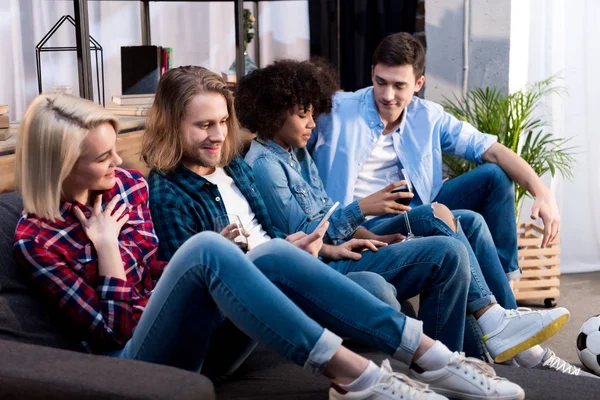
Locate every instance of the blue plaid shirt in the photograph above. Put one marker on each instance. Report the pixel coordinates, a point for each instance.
(183, 203)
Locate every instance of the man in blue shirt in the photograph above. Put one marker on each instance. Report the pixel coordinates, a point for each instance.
(385, 126)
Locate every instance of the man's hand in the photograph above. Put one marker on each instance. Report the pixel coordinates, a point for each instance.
(310, 243)
(546, 208)
(350, 249)
(232, 231)
(519, 171)
(362, 233)
(384, 201)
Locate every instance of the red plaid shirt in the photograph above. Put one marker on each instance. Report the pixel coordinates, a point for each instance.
(62, 261)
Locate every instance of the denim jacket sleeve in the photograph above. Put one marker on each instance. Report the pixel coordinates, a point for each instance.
(461, 139)
(288, 215)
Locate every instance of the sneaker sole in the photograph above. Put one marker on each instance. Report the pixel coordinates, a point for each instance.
(451, 394)
(543, 335)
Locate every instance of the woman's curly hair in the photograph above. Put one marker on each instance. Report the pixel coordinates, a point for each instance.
(264, 97)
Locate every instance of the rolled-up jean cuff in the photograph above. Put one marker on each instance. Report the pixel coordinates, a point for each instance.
(480, 303)
(411, 340)
(514, 275)
(326, 346)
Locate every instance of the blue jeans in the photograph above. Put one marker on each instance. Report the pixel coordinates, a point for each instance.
(209, 278)
(480, 247)
(436, 268)
(487, 190)
(424, 223)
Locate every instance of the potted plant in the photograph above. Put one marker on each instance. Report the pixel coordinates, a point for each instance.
(515, 119)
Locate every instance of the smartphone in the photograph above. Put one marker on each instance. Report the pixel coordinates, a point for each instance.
(326, 217)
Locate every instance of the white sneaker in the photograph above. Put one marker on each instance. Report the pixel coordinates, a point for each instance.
(392, 386)
(552, 362)
(468, 378)
(522, 329)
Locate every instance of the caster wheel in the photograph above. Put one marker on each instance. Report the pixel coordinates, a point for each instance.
(549, 303)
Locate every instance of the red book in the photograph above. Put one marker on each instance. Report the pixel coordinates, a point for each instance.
(164, 67)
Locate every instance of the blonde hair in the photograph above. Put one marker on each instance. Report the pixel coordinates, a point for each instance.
(50, 141)
(162, 144)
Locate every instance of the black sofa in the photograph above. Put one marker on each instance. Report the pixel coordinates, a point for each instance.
(36, 360)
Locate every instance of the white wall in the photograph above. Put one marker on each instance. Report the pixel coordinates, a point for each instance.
(561, 37)
(489, 45)
(200, 34)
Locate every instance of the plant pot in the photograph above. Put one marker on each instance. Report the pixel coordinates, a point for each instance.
(540, 279)
(249, 65)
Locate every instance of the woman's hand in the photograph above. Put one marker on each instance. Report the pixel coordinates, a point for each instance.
(351, 249)
(362, 233)
(103, 226)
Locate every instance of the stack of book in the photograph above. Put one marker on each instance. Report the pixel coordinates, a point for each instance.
(4, 123)
(131, 104)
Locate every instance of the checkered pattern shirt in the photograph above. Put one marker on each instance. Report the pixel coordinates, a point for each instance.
(183, 203)
(62, 261)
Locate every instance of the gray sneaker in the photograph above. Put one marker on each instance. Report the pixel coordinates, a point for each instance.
(552, 362)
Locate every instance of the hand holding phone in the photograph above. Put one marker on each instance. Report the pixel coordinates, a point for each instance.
(326, 217)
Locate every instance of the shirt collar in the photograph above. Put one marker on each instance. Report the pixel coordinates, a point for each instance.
(189, 179)
(277, 149)
(372, 115)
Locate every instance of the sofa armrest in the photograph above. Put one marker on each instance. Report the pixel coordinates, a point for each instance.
(30, 371)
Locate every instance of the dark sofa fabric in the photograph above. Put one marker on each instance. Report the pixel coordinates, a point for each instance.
(34, 362)
(22, 315)
(31, 371)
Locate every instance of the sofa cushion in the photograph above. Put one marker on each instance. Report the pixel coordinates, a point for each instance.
(23, 316)
(36, 372)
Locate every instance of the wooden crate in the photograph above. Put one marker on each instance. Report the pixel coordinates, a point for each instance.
(540, 279)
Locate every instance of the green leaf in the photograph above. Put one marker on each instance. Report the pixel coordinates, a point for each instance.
(517, 119)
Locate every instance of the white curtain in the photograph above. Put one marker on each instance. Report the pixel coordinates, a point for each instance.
(199, 33)
(560, 36)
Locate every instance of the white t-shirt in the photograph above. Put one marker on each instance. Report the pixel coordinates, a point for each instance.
(236, 203)
(372, 176)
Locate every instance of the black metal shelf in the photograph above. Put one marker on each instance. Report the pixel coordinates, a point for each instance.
(82, 33)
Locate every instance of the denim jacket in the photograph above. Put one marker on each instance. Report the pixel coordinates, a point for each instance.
(293, 192)
(345, 138)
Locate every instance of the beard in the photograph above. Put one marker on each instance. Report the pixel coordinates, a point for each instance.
(201, 160)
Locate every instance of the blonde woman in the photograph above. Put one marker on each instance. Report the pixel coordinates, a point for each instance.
(87, 241)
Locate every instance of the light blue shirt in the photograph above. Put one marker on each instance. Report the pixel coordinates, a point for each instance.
(344, 139)
(289, 184)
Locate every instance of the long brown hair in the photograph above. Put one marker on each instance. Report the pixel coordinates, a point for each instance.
(162, 145)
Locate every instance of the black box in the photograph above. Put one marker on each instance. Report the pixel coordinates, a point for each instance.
(140, 69)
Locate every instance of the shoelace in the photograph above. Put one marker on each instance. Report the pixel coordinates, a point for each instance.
(395, 382)
(561, 365)
(477, 369)
(518, 312)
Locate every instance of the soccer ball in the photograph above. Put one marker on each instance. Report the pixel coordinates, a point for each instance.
(588, 344)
